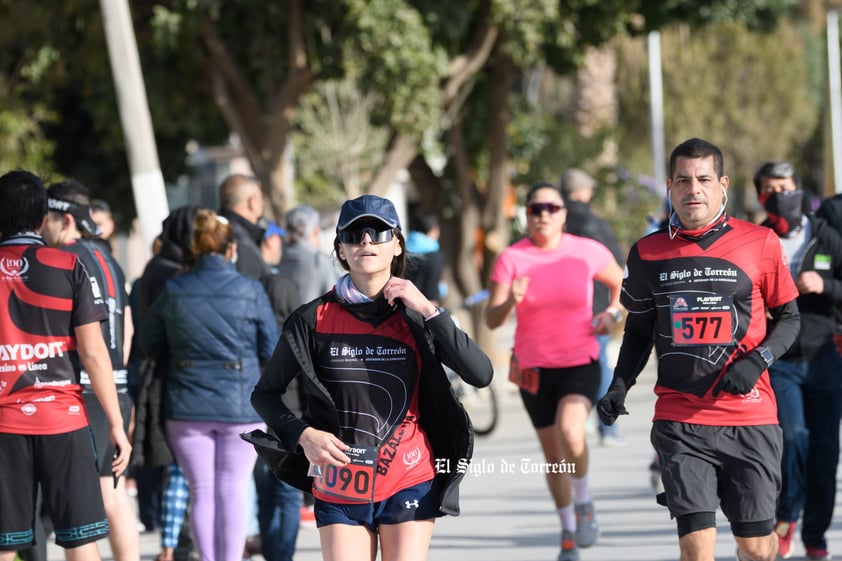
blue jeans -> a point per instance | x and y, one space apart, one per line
278 513
809 396
606 375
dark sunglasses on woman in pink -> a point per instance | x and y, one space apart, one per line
536 209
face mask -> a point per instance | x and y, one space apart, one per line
784 210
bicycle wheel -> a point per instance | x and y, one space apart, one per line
481 405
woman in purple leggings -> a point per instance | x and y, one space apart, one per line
216 327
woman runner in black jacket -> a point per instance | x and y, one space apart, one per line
382 443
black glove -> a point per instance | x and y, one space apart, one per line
741 376
612 404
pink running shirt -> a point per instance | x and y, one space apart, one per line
554 320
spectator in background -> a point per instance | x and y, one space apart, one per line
69 227
162 489
48 446
278 503
101 214
806 379
425 261
282 292
303 261
242 203
577 188
217 327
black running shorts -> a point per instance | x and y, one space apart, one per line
705 467
64 465
556 383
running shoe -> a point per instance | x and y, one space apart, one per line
785 531
587 530
817 553
569 551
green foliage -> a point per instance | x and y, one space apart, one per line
22 141
336 146
748 92
526 27
761 15
396 59
448 23
60 102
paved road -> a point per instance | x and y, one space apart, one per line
510 517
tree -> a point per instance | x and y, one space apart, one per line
761 104
444 76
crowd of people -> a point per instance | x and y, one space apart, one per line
248 376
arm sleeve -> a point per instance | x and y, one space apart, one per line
635 348
459 352
782 329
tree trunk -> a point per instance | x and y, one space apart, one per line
595 98
264 144
495 225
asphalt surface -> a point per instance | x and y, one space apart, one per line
507 514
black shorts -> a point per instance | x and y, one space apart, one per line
735 468
556 383
100 430
64 465
413 503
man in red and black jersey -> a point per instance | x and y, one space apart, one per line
49 323
714 295
70 226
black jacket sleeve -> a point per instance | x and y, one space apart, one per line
458 351
283 367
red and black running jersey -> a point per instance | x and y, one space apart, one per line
46 293
109 286
371 372
709 297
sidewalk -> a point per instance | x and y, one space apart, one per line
510 516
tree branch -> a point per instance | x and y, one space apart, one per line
299 80
231 88
401 152
466 65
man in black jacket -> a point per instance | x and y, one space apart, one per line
241 201
806 379
577 188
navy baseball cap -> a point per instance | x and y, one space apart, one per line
368 206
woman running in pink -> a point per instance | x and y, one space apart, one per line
547 280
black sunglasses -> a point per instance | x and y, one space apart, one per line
535 209
355 236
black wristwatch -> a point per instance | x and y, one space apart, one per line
766 355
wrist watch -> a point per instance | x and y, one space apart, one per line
615 314
766 355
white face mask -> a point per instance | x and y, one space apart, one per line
234 257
